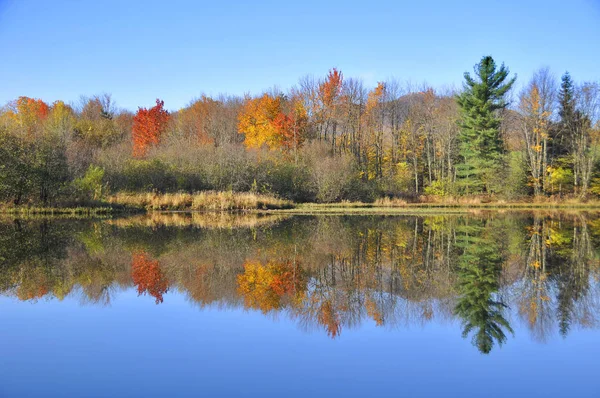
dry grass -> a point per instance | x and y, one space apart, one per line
433 204
201 201
388 202
492 202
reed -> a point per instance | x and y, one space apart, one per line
201 201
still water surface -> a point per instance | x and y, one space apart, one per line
488 304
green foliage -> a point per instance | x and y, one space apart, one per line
16 173
441 188
91 184
515 183
31 170
51 170
479 140
146 175
398 180
560 180
286 179
562 139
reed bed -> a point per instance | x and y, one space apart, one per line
201 201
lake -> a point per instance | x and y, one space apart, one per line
492 304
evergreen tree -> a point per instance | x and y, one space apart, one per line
479 139
563 134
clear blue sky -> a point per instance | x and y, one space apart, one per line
176 50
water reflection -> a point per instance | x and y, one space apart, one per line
486 271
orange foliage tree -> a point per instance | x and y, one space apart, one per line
265 121
331 88
197 119
31 113
148 277
148 127
329 94
292 126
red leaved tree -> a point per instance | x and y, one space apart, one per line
31 113
148 126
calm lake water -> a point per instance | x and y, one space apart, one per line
486 304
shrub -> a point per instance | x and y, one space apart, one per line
90 186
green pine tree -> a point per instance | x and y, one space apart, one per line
479 141
563 133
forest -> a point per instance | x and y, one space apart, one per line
327 139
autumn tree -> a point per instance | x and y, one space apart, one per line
61 120
148 127
413 137
256 121
30 114
329 97
197 121
95 127
352 135
266 121
291 125
577 131
375 120
33 160
536 103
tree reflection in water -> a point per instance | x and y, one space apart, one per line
479 305
328 273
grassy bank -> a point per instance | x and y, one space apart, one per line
213 201
202 201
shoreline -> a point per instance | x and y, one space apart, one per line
307 209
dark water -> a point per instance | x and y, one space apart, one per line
488 304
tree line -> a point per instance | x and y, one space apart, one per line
325 139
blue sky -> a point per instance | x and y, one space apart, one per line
177 50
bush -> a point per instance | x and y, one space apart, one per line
145 175
332 176
90 186
442 188
32 170
515 184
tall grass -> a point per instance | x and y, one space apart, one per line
201 201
